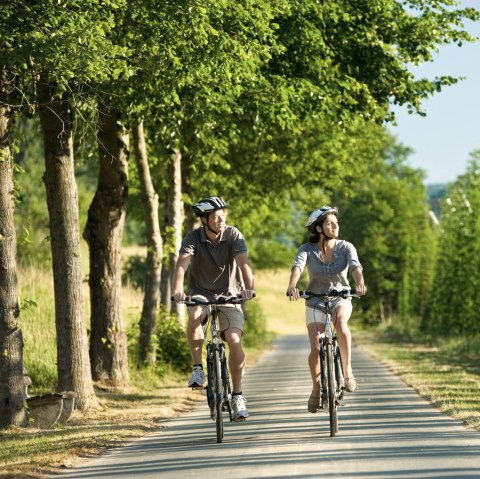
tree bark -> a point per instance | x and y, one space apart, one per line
73 363
12 396
151 299
103 233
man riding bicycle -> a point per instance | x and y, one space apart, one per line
215 254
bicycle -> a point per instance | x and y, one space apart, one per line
218 388
331 367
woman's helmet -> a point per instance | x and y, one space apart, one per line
208 205
318 215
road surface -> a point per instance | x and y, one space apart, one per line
386 432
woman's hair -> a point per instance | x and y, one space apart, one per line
315 236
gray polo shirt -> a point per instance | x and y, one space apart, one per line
213 269
325 276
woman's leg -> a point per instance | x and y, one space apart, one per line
314 356
341 315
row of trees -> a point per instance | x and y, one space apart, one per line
253 100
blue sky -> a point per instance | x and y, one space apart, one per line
443 140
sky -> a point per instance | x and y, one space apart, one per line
443 140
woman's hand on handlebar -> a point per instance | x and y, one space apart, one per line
360 289
293 293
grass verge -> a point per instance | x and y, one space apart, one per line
444 372
122 416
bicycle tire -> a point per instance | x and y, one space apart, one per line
227 389
323 377
337 357
210 382
332 404
218 394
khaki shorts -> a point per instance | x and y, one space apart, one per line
316 315
229 316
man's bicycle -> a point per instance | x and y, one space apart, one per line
218 388
332 382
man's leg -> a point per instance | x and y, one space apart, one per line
195 341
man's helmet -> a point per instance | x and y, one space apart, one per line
207 205
318 215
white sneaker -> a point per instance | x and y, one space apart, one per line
239 410
198 378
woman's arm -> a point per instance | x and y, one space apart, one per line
292 290
357 275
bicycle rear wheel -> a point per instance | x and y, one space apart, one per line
218 394
332 404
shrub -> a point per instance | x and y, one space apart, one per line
172 343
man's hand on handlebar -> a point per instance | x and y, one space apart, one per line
248 293
179 296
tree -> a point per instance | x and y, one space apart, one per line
387 219
151 301
103 233
73 363
453 295
12 410
62 48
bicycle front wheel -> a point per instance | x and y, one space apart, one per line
218 393
227 390
332 404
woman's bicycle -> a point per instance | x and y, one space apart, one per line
332 382
218 388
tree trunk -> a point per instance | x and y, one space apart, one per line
151 299
73 363
12 410
176 215
190 218
103 233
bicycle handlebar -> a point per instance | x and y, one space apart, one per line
195 301
344 293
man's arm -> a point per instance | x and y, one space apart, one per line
247 274
183 262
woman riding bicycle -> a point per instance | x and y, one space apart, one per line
328 260
215 253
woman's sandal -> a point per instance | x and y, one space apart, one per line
351 384
313 403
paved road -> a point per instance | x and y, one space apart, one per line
386 432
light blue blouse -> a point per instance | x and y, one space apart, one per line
325 276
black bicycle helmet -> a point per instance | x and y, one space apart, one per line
318 215
208 205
